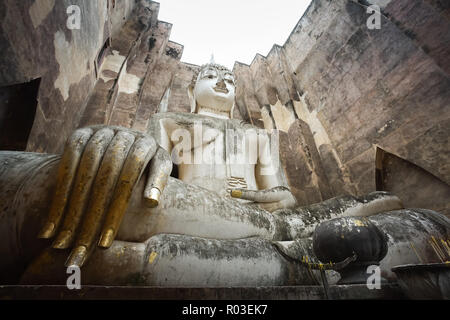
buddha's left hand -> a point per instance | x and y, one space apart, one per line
268 199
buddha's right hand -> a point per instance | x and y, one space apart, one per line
98 171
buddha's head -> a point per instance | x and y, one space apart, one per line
213 91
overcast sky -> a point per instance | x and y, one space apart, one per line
232 30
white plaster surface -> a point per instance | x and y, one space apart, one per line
67 57
282 116
113 62
128 82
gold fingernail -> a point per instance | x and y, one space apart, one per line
236 193
152 199
106 239
77 257
63 241
47 231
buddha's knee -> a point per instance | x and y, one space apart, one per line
177 260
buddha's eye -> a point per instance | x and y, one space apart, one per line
210 76
230 81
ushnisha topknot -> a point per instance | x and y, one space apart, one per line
208 65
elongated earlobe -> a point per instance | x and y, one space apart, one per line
192 101
232 110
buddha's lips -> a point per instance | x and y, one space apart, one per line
220 90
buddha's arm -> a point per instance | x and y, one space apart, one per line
160 128
98 171
272 194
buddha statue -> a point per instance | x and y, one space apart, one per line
109 205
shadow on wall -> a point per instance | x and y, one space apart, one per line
415 186
17 110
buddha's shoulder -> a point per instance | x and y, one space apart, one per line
171 115
188 119
184 116
241 124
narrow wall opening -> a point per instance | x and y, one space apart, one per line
17 110
101 56
415 186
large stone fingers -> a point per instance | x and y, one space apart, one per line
99 170
105 180
113 193
263 196
140 154
160 169
66 175
271 199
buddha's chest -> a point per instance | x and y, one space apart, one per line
207 145
218 158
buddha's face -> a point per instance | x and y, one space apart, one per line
215 89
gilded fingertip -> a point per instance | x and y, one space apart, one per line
63 240
153 197
106 239
236 193
47 231
77 257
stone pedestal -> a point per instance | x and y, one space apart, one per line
341 292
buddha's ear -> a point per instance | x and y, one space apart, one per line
232 109
192 102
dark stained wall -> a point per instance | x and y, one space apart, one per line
36 43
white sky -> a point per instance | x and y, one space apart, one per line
232 30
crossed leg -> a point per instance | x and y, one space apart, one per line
179 234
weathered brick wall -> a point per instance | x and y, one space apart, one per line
358 88
142 75
379 87
36 43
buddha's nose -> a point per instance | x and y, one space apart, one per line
221 84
